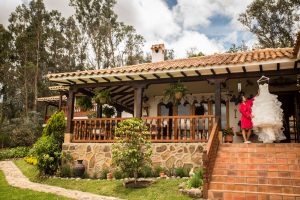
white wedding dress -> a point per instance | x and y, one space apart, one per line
268 115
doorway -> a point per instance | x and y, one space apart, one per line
291 110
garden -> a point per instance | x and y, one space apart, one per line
131 176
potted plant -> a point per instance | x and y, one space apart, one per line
103 97
84 103
228 134
108 111
175 92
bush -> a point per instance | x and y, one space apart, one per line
65 171
23 131
31 160
196 180
55 127
182 172
132 149
146 172
157 170
17 152
103 173
47 149
117 174
48 154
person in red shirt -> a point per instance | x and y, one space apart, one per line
246 118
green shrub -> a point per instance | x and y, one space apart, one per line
117 174
146 172
55 127
47 149
17 152
31 160
157 170
132 149
65 171
103 173
48 153
182 172
196 180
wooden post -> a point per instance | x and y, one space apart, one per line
138 100
46 113
70 115
60 101
218 99
99 111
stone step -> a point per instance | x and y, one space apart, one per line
268 160
268 167
242 187
256 180
257 173
235 195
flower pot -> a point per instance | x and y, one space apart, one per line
79 168
103 100
228 138
178 95
109 176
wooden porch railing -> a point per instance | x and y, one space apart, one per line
209 156
161 129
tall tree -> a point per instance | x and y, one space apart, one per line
110 40
274 22
193 52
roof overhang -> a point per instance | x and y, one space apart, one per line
186 71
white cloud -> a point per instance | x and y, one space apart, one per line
152 18
193 39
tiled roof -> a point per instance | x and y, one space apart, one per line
257 55
59 88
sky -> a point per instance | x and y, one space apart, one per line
210 26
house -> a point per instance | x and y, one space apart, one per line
184 134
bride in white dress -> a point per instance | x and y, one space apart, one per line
267 116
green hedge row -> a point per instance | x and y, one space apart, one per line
17 152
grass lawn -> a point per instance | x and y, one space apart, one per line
13 193
162 190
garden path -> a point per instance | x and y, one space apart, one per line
15 178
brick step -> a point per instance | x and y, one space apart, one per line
257 180
269 160
269 167
260 149
235 195
288 155
257 173
288 145
242 187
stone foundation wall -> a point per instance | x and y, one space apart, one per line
97 156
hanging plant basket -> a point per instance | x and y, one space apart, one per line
103 97
178 95
175 92
102 100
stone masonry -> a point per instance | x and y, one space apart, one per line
97 156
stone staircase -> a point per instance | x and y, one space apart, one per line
256 172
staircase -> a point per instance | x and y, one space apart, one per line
256 171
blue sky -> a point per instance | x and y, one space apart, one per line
210 26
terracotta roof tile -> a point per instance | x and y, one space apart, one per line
202 61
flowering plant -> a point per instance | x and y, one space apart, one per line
227 131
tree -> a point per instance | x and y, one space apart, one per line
106 35
237 48
193 52
169 54
274 22
132 149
